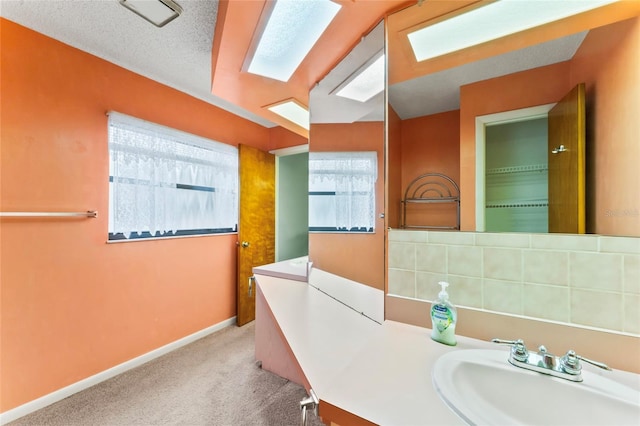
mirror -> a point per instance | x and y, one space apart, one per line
437 111
438 107
346 162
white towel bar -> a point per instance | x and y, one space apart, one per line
90 213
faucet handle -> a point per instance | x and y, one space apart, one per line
570 363
507 342
518 349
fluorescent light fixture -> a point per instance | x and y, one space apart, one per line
158 12
293 28
292 111
495 20
366 82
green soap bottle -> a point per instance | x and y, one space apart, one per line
443 318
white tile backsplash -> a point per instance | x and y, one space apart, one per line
491 239
466 291
588 280
451 237
564 242
402 255
427 287
464 260
601 271
408 236
545 267
632 313
432 258
402 283
620 245
631 274
503 296
549 302
502 264
597 309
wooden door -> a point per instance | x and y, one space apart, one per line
566 146
256 230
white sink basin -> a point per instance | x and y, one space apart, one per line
483 388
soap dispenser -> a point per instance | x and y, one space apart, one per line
443 318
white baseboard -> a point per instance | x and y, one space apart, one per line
60 394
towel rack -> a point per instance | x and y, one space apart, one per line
89 213
431 188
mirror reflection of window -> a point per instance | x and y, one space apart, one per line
345 237
342 191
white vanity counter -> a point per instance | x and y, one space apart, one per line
363 372
323 335
389 381
378 372
294 269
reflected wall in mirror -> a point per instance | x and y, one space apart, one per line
439 109
350 247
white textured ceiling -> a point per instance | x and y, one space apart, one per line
440 92
329 108
177 55
431 93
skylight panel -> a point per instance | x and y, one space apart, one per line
366 83
495 20
292 111
293 28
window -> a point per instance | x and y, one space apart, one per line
342 191
163 182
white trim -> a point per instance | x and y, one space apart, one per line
480 173
298 149
172 237
482 122
60 394
277 210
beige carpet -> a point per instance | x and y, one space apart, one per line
213 381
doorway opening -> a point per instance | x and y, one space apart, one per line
292 202
512 171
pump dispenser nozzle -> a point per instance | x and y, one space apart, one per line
443 292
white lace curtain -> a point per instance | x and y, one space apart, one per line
342 190
163 180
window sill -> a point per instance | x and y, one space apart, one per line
342 232
173 237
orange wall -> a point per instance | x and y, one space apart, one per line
428 144
72 305
394 167
431 144
538 86
612 108
282 138
609 63
358 257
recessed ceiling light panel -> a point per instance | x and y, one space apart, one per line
293 28
495 20
366 82
158 12
292 111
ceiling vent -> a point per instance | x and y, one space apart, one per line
158 12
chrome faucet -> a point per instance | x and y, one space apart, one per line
548 360
566 367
